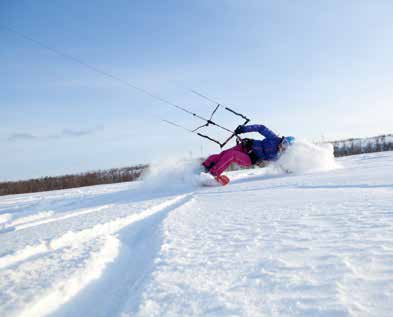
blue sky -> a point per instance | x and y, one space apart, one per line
313 69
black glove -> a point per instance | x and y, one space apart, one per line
239 129
247 144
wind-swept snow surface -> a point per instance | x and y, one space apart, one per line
317 242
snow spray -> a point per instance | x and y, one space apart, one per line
171 175
304 156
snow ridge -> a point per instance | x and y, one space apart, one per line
62 292
71 237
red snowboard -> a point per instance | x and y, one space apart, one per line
222 179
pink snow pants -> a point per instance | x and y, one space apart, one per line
225 158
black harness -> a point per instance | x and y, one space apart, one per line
248 149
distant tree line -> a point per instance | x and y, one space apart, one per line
114 175
367 145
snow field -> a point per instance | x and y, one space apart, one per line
316 242
305 259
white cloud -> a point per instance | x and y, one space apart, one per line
21 137
65 133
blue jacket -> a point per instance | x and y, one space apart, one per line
267 149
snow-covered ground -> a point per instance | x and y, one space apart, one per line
316 243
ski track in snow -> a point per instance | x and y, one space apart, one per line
269 244
72 258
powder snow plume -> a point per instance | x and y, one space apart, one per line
304 156
174 175
170 175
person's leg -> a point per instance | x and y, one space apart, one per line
213 159
233 155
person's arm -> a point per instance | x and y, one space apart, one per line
260 128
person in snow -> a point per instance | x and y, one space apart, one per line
248 151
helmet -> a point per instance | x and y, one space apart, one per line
288 140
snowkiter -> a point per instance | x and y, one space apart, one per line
248 151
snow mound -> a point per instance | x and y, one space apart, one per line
5 218
171 175
304 156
